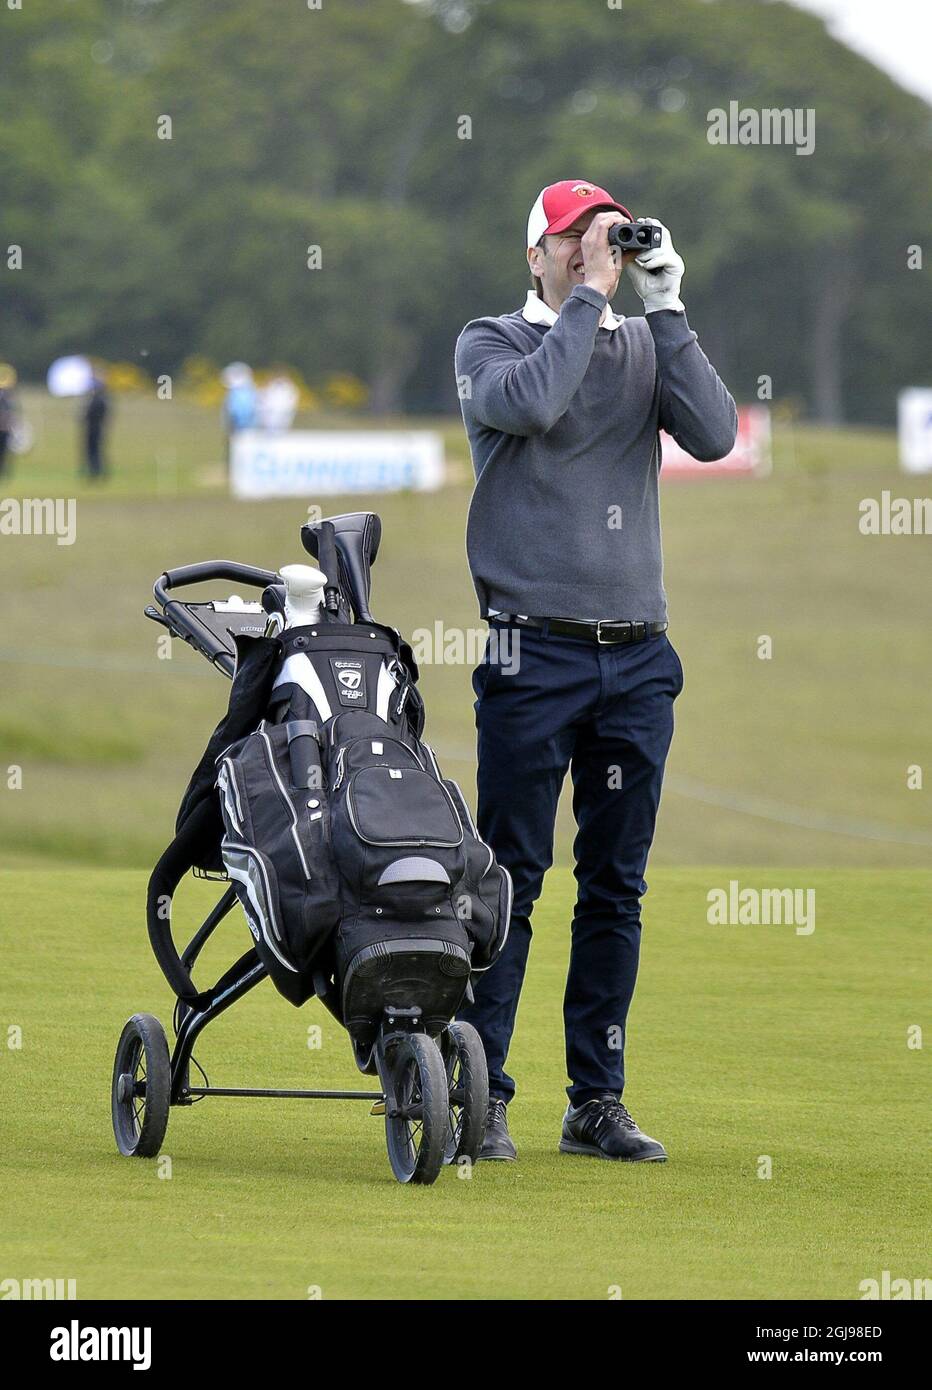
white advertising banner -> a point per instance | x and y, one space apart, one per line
915 422
320 463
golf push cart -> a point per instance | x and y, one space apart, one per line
358 866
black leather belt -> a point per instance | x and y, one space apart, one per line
607 631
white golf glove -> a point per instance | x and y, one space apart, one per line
660 290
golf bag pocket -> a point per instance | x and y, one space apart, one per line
482 898
277 848
373 746
401 807
396 832
256 882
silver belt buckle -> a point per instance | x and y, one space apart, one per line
608 641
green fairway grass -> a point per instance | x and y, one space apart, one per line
745 1043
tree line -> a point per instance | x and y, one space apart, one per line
341 186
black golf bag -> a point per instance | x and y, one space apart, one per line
357 863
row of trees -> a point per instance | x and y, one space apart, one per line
406 139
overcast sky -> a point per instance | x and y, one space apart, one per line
895 34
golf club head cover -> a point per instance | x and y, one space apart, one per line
356 536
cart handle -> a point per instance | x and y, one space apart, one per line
212 569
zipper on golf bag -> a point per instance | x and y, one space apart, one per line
364 751
484 896
230 795
277 847
287 803
253 876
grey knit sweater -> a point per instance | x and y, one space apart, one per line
562 424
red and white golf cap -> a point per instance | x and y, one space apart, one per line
559 204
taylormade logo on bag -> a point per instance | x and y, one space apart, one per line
350 678
77 1343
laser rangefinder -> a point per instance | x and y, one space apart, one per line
634 236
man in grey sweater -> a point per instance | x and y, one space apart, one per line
562 402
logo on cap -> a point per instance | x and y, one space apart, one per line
583 190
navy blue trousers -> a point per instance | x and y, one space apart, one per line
545 703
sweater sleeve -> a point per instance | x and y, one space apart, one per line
695 406
526 393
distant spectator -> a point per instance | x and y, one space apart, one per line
241 406
7 415
278 401
95 416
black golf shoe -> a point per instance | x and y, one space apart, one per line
603 1128
497 1142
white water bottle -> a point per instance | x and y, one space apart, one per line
304 594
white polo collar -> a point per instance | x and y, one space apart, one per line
536 311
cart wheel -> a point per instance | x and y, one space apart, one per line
468 1084
141 1087
416 1112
